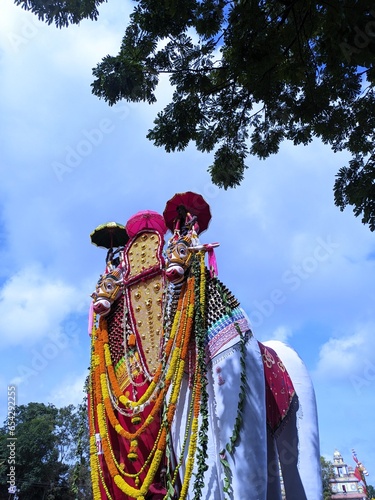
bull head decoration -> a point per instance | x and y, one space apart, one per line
108 289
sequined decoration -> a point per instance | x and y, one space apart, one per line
144 296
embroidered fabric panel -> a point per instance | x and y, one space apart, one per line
279 387
224 330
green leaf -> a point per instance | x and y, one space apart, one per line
246 76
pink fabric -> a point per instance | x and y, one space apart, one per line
91 317
146 220
212 264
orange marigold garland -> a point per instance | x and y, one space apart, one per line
199 272
193 439
105 392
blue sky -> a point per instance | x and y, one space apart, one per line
301 269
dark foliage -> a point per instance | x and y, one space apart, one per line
246 76
51 453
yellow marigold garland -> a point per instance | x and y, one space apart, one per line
103 374
199 271
176 356
193 440
96 472
105 361
94 468
145 464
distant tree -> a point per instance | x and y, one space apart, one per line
370 492
45 453
247 75
327 474
79 474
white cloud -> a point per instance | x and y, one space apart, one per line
269 228
282 333
347 356
16 25
69 391
33 305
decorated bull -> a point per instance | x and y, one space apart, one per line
184 401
